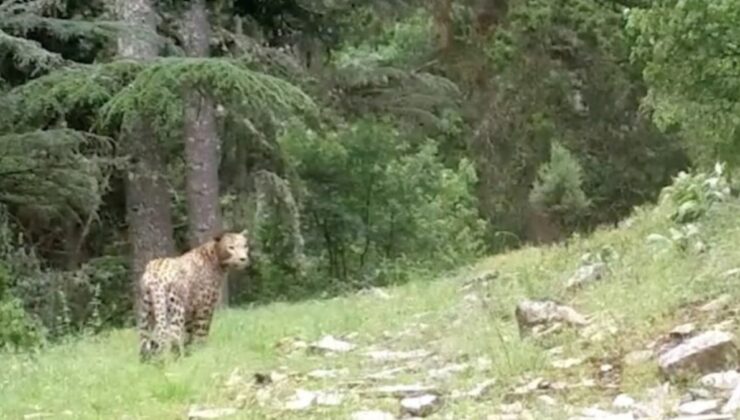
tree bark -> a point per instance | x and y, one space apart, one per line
202 145
148 204
442 11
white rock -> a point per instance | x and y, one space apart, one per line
37 416
421 406
698 407
401 391
387 373
703 352
623 402
513 408
704 417
597 413
387 355
302 400
481 389
683 330
636 357
330 344
210 413
372 415
547 400
326 373
566 363
717 304
726 380
586 274
733 404
329 398
448 370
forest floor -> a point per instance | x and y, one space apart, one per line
454 338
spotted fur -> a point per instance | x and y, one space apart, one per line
178 294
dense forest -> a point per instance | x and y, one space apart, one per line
357 142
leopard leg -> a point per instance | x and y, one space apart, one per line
176 324
201 323
145 324
159 306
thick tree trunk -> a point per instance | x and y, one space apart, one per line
202 145
442 11
147 197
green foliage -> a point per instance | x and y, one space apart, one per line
689 50
692 195
558 188
372 200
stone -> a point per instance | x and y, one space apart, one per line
683 330
372 415
623 402
566 363
513 408
704 417
727 380
481 389
326 373
717 304
597 413
586 274
302 400
733 404
389 356
387 373
329 398
210 413
637 357
698 407
421 406
704 352
547 400
448 370
401 391
329 344
531 313
37 416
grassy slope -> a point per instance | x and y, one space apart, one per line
643 295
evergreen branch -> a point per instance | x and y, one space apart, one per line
28 53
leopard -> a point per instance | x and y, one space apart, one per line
178 294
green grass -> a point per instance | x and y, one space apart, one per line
646 292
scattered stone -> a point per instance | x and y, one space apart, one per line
637 357
597 413
329 344
302 400
698 407
705 417
388 356
586 274
704 352
726 380
547 400
421 406
683 330
717 304
448 370
387 373
623 402
329 398
37 416
372 415
402 391
513 408
210 413
326 373
606 368
481 389
566 363
733 404
530 313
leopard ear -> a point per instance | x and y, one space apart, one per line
218 236
244 232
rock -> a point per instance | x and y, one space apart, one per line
37 416
302 400
329 344
623 402
378 293
733 404
387 373
726 380
513 408
210 413
481 389
704 417
326 373
401 391
372 415
547 400
597 413
586 274
637 357
448 370
291 344
329 398
683 330
531 313
598 331
566 363
421 406
717 304
704 352
388 356
698 407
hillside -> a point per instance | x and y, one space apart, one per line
459 332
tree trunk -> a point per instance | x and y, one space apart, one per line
202 145
147 198
442 11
